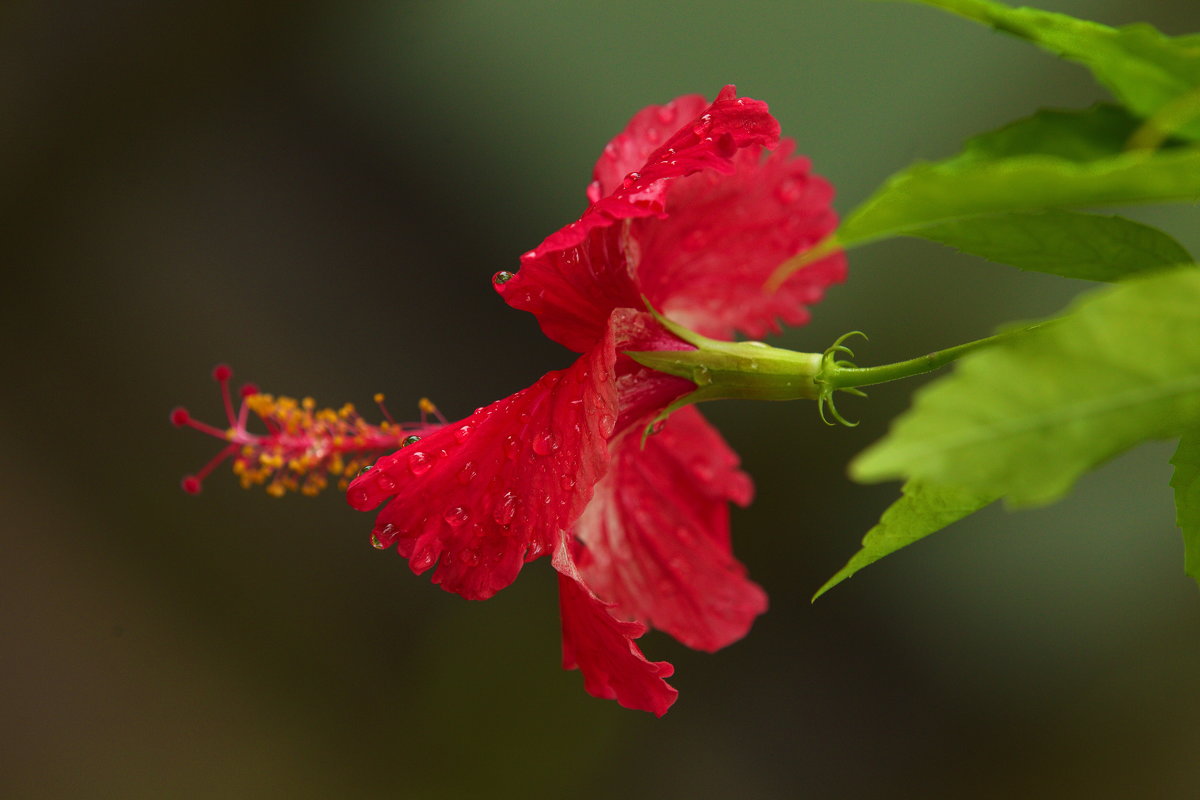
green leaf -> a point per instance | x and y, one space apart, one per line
1144 69
923 509
1064 243
1079 135
1186 483
1026 417
1051 160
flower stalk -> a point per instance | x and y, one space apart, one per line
757 371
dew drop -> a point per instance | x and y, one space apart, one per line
382 538
457 517
365 470
502 277
461 433
607 424
360 498
419 463
469 557
703 125
567 483
545 443
506 509
421 560
410 440
467 474
511 447
631 179
385 482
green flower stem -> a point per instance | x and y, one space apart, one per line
843 375
756 371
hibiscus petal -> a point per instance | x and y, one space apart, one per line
603 648
486 494
656 534
705 264
646 132
579 274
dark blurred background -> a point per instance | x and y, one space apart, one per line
317 193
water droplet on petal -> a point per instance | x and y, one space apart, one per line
511 447
360 498
382 538
410 440
607 423
631 179
457 517
385 482
462 432
502 277
567 483
419 463
506 509
422 559
545 443
467 474
703 125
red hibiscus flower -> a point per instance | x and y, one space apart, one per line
685 214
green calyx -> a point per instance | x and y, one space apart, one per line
756 371
731 370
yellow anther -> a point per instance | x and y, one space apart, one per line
426 405
308 403
276 490
379 397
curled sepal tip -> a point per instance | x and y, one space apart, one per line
830 364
